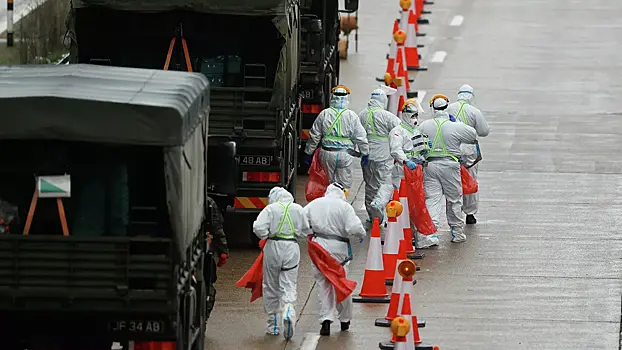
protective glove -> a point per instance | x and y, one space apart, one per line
361 240
451 117
308 159
222 260
365 160
411 165
430 144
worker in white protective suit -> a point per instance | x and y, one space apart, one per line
378 122
464 111
281 222
409 147
442 172
333 221
337 130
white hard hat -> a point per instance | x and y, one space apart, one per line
440 103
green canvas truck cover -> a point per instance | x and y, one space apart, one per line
116 105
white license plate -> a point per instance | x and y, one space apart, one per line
136 326
254 160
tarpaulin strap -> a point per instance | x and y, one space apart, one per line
169 55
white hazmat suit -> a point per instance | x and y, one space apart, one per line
408 143
337 130
442 173
464 111
333 221
281 222
378 122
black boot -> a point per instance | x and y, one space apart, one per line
345 326
325 328
470 220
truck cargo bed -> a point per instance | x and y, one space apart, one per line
86 274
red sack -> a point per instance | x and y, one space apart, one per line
469 184
253 278
318 180
416 201
332 270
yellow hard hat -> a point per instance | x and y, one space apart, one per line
437 96
341 87
394 209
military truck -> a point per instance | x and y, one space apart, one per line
319 60
103 206
250 52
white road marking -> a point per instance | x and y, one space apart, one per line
438 57
456 21
310 341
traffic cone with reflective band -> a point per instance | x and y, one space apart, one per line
392 51
400 59
419 10
392 240
407 227
401 328
407 270
373 290
392 312
411 47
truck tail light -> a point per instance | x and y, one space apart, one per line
311 109
261 176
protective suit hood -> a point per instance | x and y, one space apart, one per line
378 99
279 194
465 93
335 192
340 98
440 114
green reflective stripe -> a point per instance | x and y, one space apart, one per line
286 217
439 141
462 113
336 123
407 127
370 122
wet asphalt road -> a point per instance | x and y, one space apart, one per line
542 268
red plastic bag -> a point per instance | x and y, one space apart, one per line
318 180
332 270
469 184
253 278
416 201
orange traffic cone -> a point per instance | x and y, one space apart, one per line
392 240
392 53
392 312
405 221
413 8
400 58
419 11
373 290
407 270
411 47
